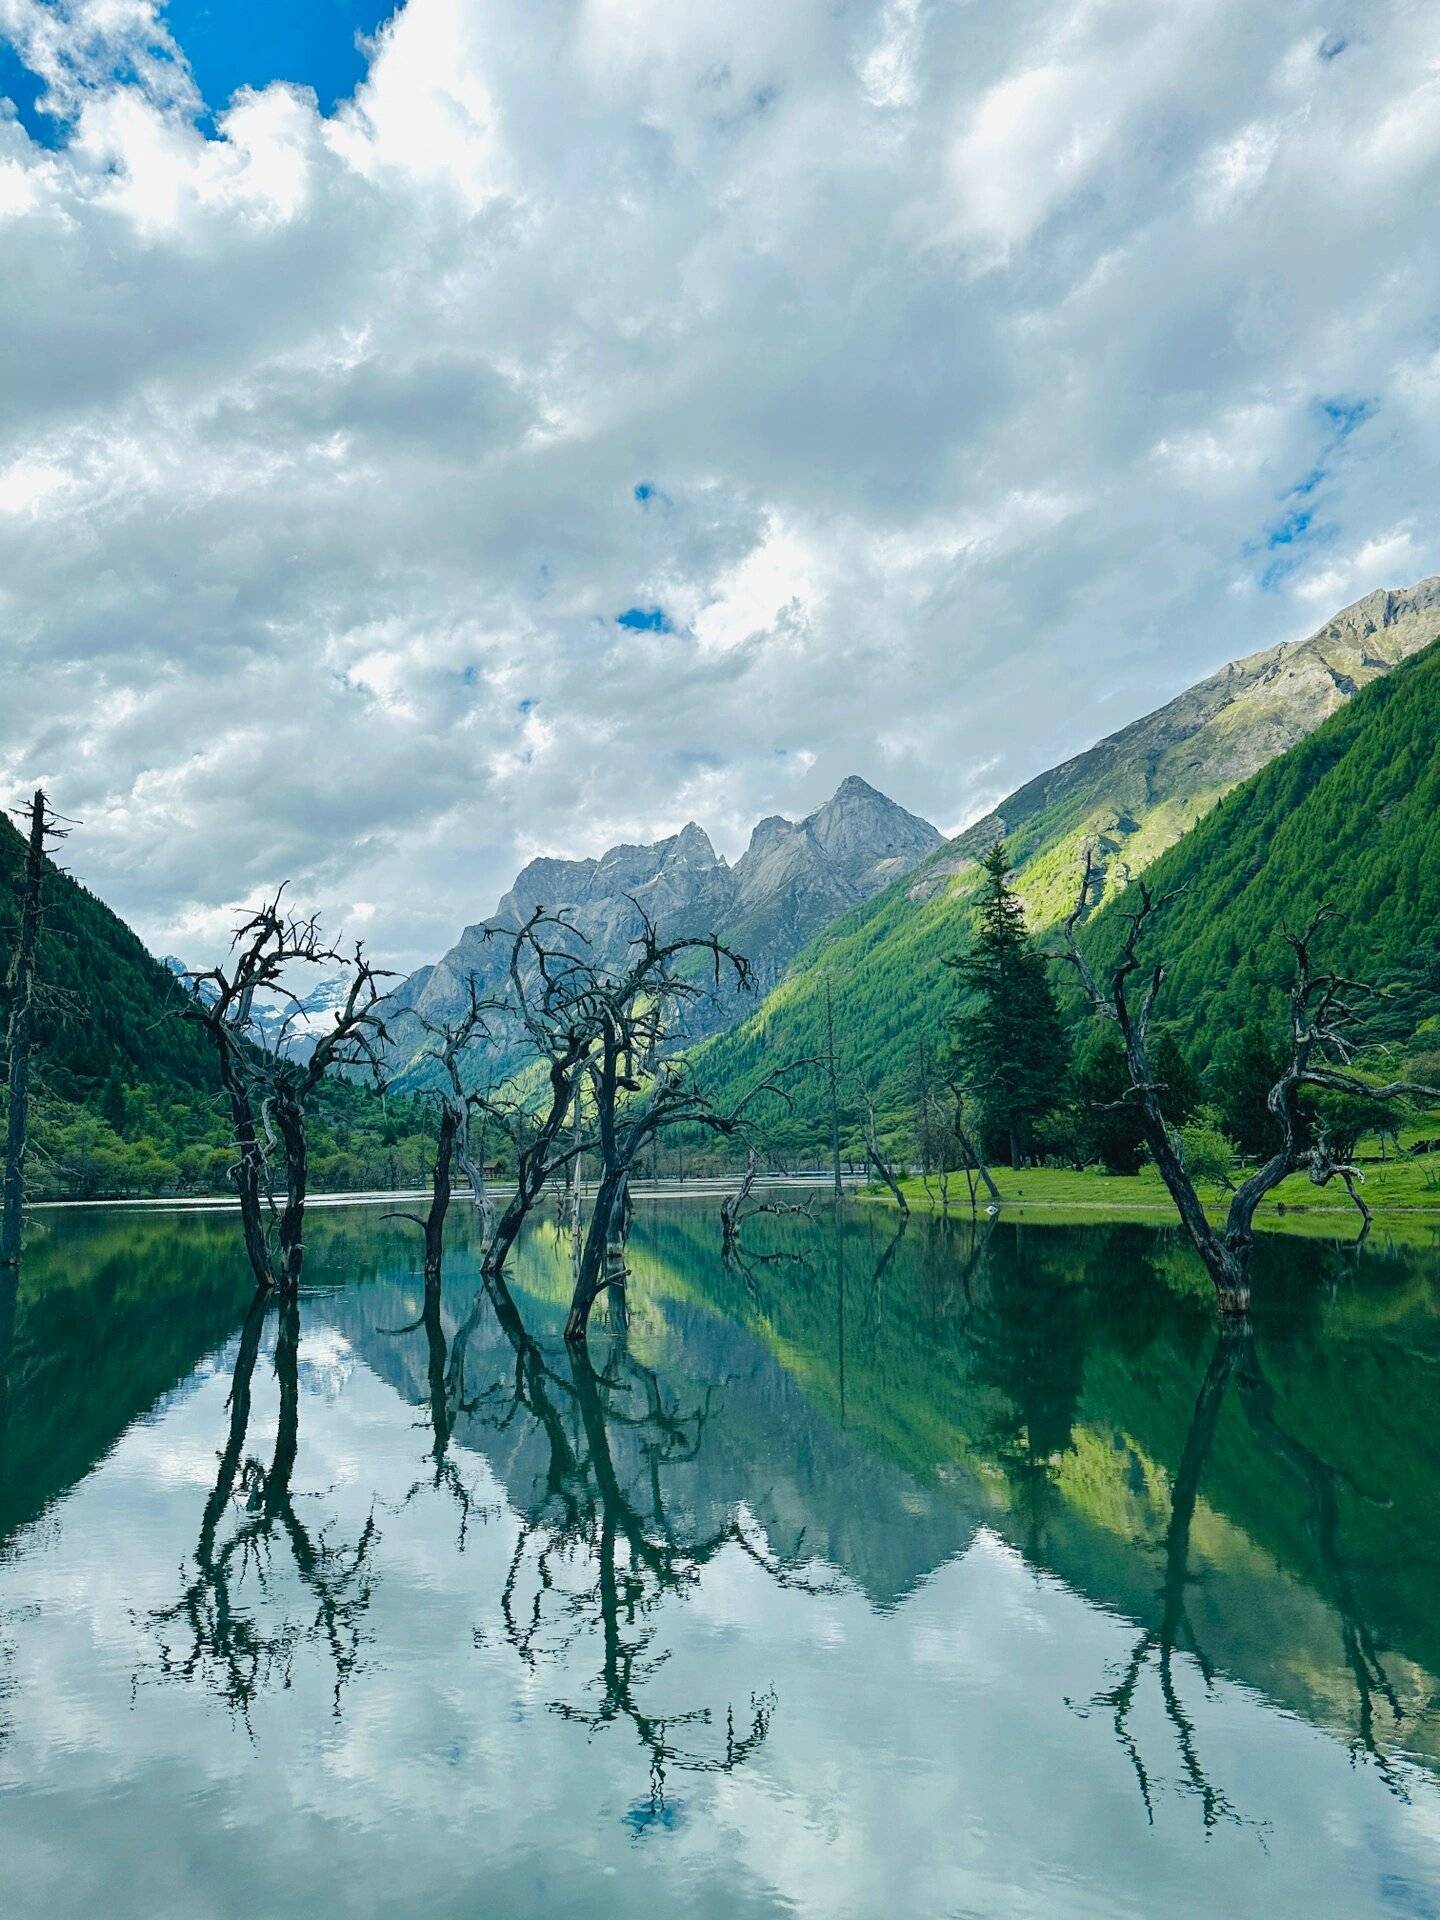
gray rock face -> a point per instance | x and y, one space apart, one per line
792 880
1133 794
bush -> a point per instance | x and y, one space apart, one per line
1208 1153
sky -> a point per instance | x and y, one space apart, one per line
509 426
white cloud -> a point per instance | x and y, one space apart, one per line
1388 557
964 358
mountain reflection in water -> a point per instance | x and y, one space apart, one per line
955 1569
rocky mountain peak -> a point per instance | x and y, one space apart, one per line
691 847
793 879
861 828
853 787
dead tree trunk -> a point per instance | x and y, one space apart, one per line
22 1017
975 1167
877 1159
451 1129
574 1190
432 1223
474 1171
265 946
248 1170
1320 1016
730 1209
599 1267
834 1086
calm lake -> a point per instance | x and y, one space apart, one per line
961 1572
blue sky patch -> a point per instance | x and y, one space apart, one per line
231 44
654 1816
1288 541
17 83
1292 528
1346 415
1307 483
248 43
1342 414
643 620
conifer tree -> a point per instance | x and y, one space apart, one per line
1247 1067
1010 1046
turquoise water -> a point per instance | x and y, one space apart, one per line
966 1572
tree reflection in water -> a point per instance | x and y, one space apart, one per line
208 1635
599 1551
1235 1358
1162 1643
1322 1483
998 1340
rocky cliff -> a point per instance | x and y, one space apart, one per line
792 880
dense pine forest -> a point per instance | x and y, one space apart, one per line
1350 816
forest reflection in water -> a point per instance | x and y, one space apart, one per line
840 1419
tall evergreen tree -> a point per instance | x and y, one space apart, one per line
1108 1119
1010 1046
1247 1066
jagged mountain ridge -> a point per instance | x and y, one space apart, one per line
793 878
1131 796
1138 790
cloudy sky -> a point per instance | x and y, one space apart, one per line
519 425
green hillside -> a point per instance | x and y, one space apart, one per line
107 1006
124 1097
1369 842
1350 816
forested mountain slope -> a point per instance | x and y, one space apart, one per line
124 1095
107 1006
1349 817
1130 797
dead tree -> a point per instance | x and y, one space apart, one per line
637 1096
266 1088
832 1081
973 1161
1321 1022
44 825
545 994
878 1162
738 1207
451 1139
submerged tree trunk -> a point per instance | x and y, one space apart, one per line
248 1171
433 1225
22 1010
878 1160
597 1267
290 1119
731 1209
9 1288
834 1086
